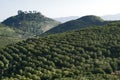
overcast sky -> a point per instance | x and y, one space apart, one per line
60 8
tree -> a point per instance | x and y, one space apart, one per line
20 12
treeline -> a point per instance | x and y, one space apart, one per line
26 12
86 54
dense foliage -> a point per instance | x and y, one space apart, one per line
31 22
85 21
86 54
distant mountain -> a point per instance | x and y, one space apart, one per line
82 22
111 17
65 19
31 22
105 17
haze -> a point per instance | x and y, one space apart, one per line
60 8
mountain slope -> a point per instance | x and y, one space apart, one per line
86 54
9 35
23 26
32 22
82 22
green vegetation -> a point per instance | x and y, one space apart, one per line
31 22
9 35
82 22
23 26
86 54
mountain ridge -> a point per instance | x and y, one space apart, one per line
85 21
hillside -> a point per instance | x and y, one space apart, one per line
23 26
85 21
31 22
86 54
9 35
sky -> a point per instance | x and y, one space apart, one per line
60 8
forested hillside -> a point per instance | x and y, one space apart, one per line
86 54
83 22
32 22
